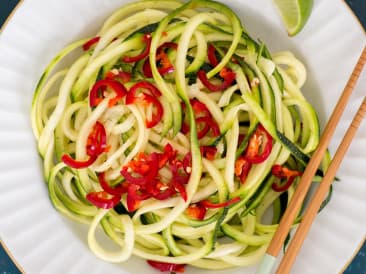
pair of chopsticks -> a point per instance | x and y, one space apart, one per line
303 187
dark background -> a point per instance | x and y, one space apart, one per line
358 265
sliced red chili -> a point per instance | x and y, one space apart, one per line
259 146
204 129
208 124
163 63
185 128
132 179
180 177
132 95
157 114
258 150
180 188
163 267
284 173
209 204
133 98
96 145
133 201
168 155
196 211
96 93
241 138
208 152
131 59
87 45
117 190
97 140
153 165
278 187
167 45
199 108
242 168
227 75
146 69
211 54
204 120
143 180
140 164
124 76
214 128
77 164
102 199
187 163
165 66
159 190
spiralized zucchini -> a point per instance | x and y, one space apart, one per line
265 92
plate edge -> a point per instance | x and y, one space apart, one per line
351 258
10 16
354 15
11 257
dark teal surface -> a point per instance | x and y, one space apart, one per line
358 265
6 6
6 265
359 8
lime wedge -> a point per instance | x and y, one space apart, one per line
294 13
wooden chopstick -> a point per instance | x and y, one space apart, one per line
306 179
312 210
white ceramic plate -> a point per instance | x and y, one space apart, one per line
44 242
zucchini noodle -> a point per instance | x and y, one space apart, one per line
201 44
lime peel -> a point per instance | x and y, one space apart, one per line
294 14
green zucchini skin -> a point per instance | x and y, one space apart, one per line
265 92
